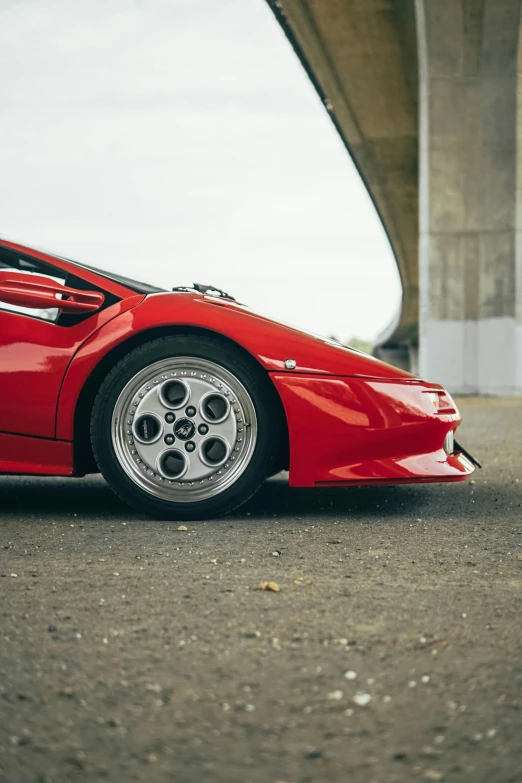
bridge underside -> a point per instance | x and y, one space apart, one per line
425 95
362 57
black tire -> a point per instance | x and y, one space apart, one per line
262 393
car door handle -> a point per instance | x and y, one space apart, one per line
37 291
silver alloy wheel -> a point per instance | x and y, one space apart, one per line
184 429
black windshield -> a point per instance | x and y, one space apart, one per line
134 285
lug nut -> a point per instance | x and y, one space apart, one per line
203 429
170 418
190 411
169 439
190 446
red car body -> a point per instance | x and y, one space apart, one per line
351 419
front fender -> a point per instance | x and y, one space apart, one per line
269 342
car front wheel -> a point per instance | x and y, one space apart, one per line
186 427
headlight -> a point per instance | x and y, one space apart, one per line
442 402
434 397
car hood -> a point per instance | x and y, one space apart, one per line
274 342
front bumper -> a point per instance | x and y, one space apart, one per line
346 431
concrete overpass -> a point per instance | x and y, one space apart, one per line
425 96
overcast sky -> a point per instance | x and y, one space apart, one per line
180 141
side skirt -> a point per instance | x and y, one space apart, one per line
35 456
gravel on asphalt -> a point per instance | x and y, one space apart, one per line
134 650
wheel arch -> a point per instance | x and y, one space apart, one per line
84 461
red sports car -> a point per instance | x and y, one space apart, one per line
186 401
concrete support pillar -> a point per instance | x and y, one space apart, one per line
470 204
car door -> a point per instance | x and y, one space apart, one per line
37 344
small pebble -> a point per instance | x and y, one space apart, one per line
362 699
335 695
270 586
433 774
350 675
430 753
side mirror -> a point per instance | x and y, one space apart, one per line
40 292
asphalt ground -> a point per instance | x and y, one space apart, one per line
131 651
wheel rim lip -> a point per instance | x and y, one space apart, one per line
173 490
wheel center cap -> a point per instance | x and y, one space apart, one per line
184 429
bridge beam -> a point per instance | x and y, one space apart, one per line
470 240
425 96
362 57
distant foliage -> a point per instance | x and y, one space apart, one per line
360 345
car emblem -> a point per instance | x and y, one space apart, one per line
184 429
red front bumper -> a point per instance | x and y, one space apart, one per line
365 431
